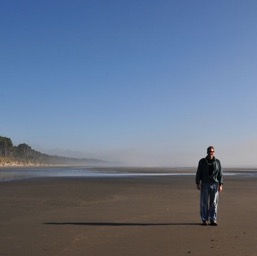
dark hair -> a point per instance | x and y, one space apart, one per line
209 148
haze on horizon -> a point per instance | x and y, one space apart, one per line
149 83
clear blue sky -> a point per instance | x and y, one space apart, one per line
144 82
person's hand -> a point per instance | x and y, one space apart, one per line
198 186
220 188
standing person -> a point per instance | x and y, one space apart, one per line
209 180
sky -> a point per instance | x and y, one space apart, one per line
139 82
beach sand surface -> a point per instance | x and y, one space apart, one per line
124 216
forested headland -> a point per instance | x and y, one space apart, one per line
24 155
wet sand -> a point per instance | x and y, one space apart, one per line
124 216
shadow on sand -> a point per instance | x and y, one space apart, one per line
117 224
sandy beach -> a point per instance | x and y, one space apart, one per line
124 216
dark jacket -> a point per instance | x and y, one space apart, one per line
202 174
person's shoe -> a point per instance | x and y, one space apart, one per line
214 223
205 223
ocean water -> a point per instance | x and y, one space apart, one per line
12 174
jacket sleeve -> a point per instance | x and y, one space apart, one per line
198 176
220 175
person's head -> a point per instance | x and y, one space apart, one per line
210 151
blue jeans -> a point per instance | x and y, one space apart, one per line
209 201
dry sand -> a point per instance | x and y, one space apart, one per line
124 216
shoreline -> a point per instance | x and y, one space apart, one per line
14 173
123 169
14 164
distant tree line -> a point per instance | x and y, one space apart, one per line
6 146
21 152
24 153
